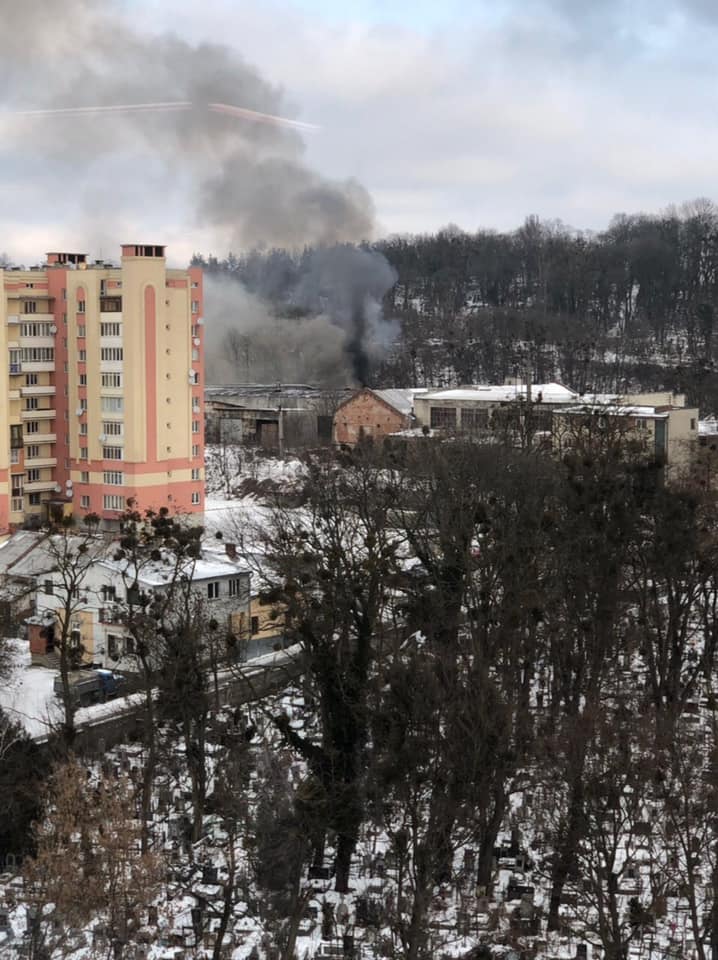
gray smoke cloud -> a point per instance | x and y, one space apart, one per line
247 183
327 327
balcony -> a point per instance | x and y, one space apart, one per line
46 414
13 318
40 462
48 341
37 391
40 486
112 613
36 366
39 438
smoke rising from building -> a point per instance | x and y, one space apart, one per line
244 184
325 327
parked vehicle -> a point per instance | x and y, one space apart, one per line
91 686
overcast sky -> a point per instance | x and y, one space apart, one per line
477 113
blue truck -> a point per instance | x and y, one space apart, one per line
90 686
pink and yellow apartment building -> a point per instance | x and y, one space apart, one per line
101 390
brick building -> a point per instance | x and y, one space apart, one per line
373 414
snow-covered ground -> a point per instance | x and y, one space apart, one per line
27 695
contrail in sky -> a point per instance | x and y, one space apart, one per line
240 113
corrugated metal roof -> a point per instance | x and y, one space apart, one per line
401 400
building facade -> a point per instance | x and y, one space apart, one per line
103 387
373 415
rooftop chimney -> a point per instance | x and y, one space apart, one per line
231 550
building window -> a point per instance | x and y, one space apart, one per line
693 423
80 306
113 428
109 594
83 404
195 354
443 418
14 455
32 451
30 379
85 502
83 429
113 501
195 329
33 475
85 476
110 329
83 453
111 354
37 354
32 426
81 356
16 436
195 473
82 331
195 306
195 450
473 420
16 481
213 590
112 404
111 380
641 424
36 328
113 478
235 587
48 588
254 625
34 500
64 293
83 379
31 403
30 306
195 426
195 497
112 453
114 646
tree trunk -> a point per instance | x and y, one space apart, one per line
227 901
567 849
68 728
346 843
148 773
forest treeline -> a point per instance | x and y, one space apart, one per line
632 306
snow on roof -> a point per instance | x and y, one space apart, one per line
401 400
507 393
32 559
160 572
619 410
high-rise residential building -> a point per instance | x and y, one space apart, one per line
101 392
